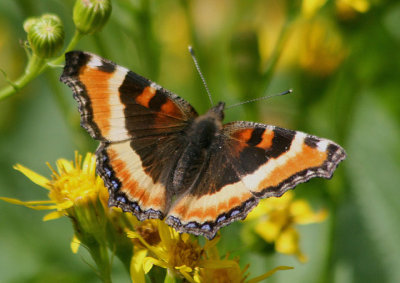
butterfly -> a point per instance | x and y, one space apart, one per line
160 159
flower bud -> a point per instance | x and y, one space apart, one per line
90 15
29 22
45 35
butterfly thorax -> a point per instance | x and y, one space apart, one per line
200 136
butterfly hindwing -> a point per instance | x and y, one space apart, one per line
136 173
216 198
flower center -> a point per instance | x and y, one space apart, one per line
185 253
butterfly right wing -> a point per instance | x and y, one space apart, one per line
272 160
249 162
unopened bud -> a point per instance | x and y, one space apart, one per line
91 15
45 35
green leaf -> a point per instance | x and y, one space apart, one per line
374 167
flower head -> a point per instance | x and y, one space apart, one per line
310 7
45 35
321 47
348 9
230 274
276 219
72 185
181 255
91 15
74 190
77 192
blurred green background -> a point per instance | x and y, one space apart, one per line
341 59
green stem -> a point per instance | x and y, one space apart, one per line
35 67
169 277
74 41
31 71
99 254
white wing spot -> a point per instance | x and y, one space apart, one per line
95 62
322 145
154 85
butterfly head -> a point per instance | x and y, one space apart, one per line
218 111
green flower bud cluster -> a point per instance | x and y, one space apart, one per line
90 15
45 35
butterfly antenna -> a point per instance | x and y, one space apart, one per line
259 98
200 73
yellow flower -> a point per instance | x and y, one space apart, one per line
74 190
348 9
321 48
73 184
178 253
77 192
230 274
148 231
310 7
276 219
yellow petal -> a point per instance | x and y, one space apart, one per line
75 243
303 213
197 278
185 237
53 215
361 6
310 7
184 268
217 264
33 176
288 241
268 230
268 274
148 263
89 164
166 234
31 204
137 267
261 210
187 276
64 165
132 234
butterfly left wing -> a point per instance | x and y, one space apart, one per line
139 125
254 161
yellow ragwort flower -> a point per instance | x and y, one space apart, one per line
182 256
321 48
276 219
310 7
348 9
230 274
73 184
74 190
